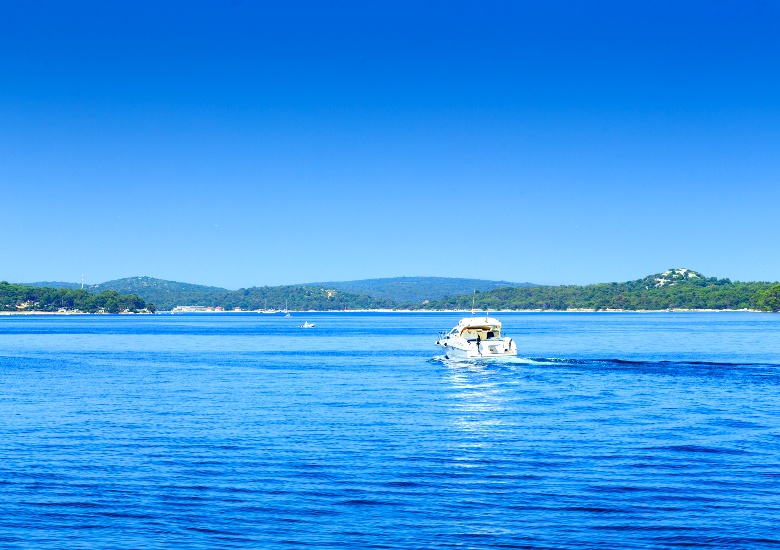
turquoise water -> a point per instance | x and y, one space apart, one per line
232 431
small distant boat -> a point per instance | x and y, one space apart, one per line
477 338
286 313
307 324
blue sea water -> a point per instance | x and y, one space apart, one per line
234 431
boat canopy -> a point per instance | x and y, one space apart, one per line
482 327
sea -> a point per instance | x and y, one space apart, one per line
609 430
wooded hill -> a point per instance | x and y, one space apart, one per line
404 290
768 299
299 298
672 289
388 292
363 294
166 295
31 298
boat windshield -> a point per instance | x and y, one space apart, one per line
484 332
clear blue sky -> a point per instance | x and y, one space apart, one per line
248 143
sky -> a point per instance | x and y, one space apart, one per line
251 143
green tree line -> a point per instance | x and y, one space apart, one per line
168 294
768 299
31 298
296 298
676 292
301 298
673 289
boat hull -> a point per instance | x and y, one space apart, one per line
487 349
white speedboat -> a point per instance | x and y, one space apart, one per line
307 324
477 338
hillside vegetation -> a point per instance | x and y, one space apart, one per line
53 284
299 298
416 289
30 298
768 299
363 294
166 295
672 289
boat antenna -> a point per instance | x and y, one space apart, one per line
473 296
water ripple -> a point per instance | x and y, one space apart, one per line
238 432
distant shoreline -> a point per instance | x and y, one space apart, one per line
678 289
66 313
477 312
463 311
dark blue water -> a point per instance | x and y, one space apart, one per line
232 431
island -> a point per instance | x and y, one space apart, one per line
673 289
40 299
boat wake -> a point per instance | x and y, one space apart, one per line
669 367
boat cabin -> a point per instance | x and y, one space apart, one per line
484 328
